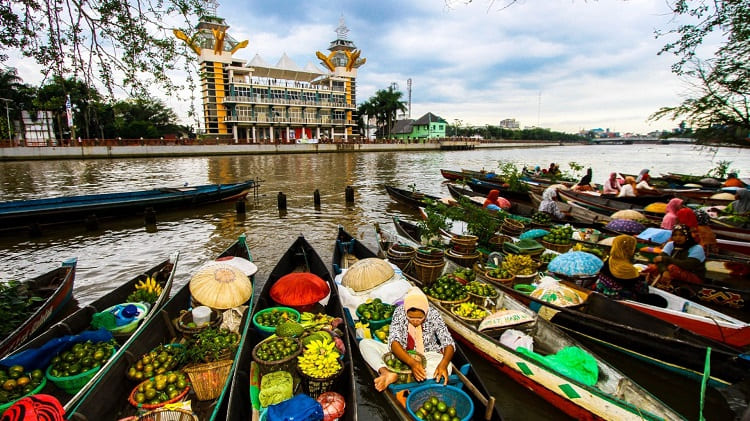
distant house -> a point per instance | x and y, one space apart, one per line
429 126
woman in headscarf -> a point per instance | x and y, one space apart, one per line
682 258
698 222
549 204
618 278
495 202
611 186
628 189
415 326
741 204
585 183
733 181
643 175
670 216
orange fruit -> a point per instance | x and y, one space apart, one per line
9 385
23 381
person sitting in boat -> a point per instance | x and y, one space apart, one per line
698 222
585 183
628 189
733 181
618 278
415 326
495 202
681 259
741 204
611 186
549 203
643 175
670 216
641 183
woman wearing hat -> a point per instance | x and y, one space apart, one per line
418 327
682 258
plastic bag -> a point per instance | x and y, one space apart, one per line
514 339
299 408
34 358
232 318
571 361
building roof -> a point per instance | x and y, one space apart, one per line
402 126
429 118
285 68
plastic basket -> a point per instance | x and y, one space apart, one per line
72 384
131 398
375 324
560 248
451 395
187 317
209 379
268 330
405 376
36 390
168 415
473 322
130 327
287 364
314 387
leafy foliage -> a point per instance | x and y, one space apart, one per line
437 220
16 305
383 106
510 174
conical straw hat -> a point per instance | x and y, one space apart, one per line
367 274
723 196
220 286
628 214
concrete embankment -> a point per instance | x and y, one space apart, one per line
104 152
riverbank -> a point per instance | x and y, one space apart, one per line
148 150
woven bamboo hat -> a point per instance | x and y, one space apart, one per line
367 274
628 214
723 196
220 286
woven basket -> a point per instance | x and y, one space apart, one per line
464 244
314 387
400 255
472 322
168 415
481 300
511 227
560 248
448 304
428 255
465 260
287 364
182 322
131 398
427 273
498 281
209 379
525 279
405 376
496 241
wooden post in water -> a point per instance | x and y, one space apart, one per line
316 198
281 200
349 194
149 216
92 223
240 206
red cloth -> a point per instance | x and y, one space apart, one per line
686 216
299 289
35 408
733 182
493 198
675 272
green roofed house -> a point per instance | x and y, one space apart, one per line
429 126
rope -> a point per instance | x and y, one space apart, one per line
704 381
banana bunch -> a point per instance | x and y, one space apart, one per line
518 264
149 285
307 319
320 359
146 291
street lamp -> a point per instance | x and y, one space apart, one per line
7 115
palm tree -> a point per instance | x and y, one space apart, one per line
10 90
388 104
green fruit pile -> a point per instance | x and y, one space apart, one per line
518 264
277 349
469 310
541 218
446 288
16 382
559 234
274 317
481 289
547 257
467 274
397 365
80 358
161 388
157 361
499 273
383 333
375 310
434 409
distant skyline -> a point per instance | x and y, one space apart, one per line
565 66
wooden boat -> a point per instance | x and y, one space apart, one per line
516 207
346 250
107 398
408 230
409 198
697 318
484 187
299 257
580 215
20 214
56 288
464 174
80 321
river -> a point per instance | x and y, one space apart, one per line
117 250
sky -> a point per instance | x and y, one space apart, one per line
566 65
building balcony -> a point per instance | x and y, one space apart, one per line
262 100
296 121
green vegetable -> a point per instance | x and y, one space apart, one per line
16 304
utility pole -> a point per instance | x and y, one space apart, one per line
7 115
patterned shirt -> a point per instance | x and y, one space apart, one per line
434 331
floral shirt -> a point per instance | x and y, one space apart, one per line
434 331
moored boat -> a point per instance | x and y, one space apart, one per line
80 321
410 198
113 387
299 257
55 288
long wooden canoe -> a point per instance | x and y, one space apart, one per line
20 214
299 257
80 321
107 398
347 250
409 198
56 288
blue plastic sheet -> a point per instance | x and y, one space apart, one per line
34 358
655 235
299 408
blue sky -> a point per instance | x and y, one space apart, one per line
562 64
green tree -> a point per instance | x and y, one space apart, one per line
144 117
384 105
52 97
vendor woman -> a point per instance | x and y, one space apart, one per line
418 327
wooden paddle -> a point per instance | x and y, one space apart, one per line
489 403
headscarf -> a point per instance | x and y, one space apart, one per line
630 180
491 198
623 249
550 193
415 299
686 216
742 204
702 216
670 216
689 242
644 172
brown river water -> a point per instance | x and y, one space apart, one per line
119 249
